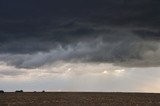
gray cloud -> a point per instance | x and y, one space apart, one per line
121 47
10 71
114 45
120 32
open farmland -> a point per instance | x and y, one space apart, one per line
78 99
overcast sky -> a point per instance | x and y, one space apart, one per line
80 45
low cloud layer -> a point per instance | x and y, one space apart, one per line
118 46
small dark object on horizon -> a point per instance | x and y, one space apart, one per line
1 91
17 91
43 91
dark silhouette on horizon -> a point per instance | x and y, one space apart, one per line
18 91
1 91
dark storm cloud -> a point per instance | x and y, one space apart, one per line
30 16
35 33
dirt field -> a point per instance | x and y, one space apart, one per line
79 99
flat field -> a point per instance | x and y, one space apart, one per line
79 99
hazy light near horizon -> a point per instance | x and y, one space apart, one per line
65 76
105 72
58 68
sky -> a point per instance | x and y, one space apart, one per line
80 45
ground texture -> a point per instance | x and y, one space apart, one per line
79 99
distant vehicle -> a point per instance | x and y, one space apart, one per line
19 91
1 91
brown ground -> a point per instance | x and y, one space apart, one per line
79 99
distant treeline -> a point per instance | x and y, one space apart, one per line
17 91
